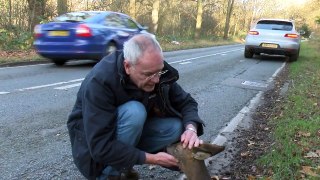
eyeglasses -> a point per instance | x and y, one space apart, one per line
158 74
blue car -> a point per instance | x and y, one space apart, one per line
84 35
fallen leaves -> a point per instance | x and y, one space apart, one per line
17 53
312 154
303 134
251 143
220 178
152 167
245 154
250 177
310 171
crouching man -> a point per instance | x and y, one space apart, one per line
129 108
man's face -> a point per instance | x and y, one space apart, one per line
146 73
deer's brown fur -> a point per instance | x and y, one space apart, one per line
191 161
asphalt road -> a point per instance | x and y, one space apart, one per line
35 101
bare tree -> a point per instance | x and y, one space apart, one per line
199 19
132 8
10 12
155 15
228 17
36 12
62 6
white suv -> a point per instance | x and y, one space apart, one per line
273 36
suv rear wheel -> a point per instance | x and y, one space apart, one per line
294 57
248 53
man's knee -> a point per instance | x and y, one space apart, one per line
177 128
132 112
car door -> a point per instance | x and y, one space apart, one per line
116 28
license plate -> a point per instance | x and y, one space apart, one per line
58 33
269 45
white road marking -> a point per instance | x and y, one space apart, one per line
221 53
49 85
256 84
68 86
187 62
4 93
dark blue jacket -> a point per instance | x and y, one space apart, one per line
92 121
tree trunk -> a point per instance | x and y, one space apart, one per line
132 8
199 19
10 13
235 30
227 24
155 15
62 6
36 12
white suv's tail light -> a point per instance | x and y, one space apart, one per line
254 32
291 35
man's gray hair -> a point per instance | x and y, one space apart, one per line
135 47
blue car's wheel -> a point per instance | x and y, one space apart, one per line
110 48
59 62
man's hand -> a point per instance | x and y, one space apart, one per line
162 159
190 138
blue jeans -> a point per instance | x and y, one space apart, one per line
149 135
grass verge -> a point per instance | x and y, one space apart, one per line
19 56
296 151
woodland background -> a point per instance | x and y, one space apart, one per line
170 20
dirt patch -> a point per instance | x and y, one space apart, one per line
19 58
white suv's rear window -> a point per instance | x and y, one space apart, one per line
274 25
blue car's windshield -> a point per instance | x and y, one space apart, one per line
75 16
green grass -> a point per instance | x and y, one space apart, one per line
297 127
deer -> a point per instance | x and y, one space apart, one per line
191 161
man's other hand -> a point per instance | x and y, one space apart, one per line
189 138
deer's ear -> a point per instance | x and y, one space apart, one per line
206 149
200 155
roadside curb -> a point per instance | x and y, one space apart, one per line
221 139
24 63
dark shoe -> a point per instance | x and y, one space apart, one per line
131 175
114 178
173 168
